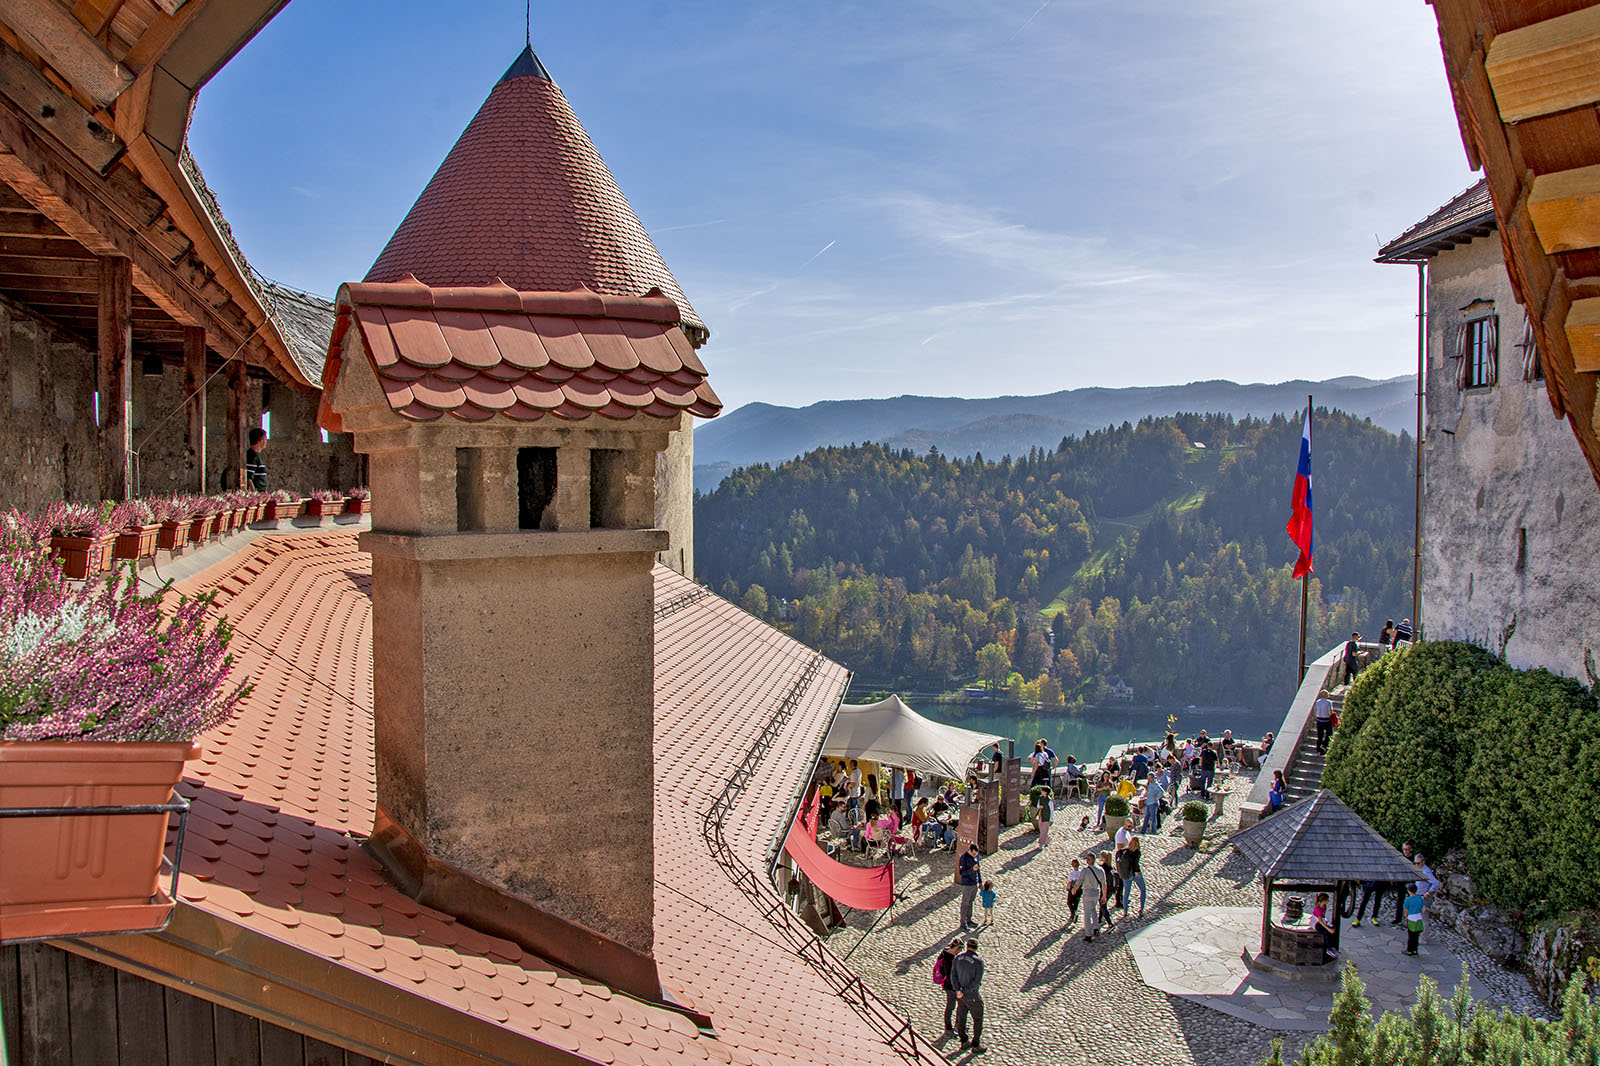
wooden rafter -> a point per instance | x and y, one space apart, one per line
82 208
85 136
66 45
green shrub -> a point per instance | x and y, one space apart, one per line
1195 811
1531 833
1401 754
1443 744
1117 807
1439 1031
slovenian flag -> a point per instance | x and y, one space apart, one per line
1299 526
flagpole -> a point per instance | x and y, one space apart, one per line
1305 581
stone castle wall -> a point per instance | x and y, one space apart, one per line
50 445
1510 508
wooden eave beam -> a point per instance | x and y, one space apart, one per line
237 967
63 42
54 184
1565 207
1533 74
1547 67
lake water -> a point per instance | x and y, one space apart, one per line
1090 733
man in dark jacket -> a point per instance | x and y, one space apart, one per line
968 982
970 880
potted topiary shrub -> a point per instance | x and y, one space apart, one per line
1117 811
325 503
82 537
102 693
360 499
138 530
174 513
1195 816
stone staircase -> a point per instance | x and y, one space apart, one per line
1305 774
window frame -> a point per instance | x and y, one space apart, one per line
1480 353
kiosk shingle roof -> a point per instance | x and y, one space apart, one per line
1321 839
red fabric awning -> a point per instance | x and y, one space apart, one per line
862 888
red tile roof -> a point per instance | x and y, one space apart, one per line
524 196
286 789
478 352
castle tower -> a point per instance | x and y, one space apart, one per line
524 196
514 433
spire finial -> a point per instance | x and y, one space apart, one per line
527 21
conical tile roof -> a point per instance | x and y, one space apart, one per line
525 197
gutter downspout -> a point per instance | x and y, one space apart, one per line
1416 547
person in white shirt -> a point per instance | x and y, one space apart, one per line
1124 835
1324 709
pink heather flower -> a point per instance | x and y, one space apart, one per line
100 661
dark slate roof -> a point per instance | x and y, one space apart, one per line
1469 215
304 320
526 65
1321 839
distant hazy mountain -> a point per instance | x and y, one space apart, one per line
1010 425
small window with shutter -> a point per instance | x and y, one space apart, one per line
1477 352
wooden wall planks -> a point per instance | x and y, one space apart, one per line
60 1009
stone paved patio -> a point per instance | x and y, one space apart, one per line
1052 998
1202 954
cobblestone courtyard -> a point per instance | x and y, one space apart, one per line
1052 998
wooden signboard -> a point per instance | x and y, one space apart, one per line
980 822
1011 792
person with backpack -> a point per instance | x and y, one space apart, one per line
942 976
967 977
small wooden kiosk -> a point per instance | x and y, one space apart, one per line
1316 845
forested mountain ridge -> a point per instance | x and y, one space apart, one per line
1011 425
1151 551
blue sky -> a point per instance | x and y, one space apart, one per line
953 198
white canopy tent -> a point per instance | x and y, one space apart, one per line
892 733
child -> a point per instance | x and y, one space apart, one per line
1414 905
1321 919
987 898
1074 892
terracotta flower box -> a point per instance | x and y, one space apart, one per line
173 535
325 508
83 557
356 506
93 873
137 542
279 509
202 526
